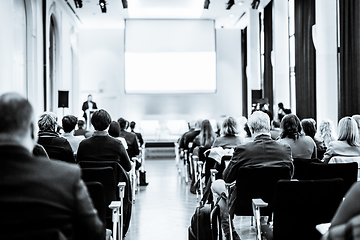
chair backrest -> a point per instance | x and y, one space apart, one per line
338 159
301 168
346 171
120 176
46 234
97 194
106 177
300 205
257 183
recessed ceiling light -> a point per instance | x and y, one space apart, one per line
240 3
231 15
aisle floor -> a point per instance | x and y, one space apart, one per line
164 208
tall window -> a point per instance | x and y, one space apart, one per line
20 48
292 54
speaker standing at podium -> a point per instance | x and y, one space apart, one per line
88 107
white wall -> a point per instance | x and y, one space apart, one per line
102 74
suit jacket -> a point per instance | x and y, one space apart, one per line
101 146
131 140
262 152
340 148
57 147
86 106
38 194
189 137
139 137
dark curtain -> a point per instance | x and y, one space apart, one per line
349 82
243 68
268 47
305 59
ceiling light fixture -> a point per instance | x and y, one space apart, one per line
230 4
102 4
78 3
255 4
124 3
206 4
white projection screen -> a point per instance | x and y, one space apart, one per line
170 56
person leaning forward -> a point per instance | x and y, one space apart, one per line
37 194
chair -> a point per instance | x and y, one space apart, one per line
301 168
299 206
346 171
97 195
120 176
46 234
338 159
209 163
257 183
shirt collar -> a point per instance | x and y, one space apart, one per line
100 133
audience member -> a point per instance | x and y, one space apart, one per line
291 133
114 131
205 138
37 194
131 139
248 137
345 224
309 128
357 119
265 108
191 135
100 146
138 135
275 129
80 131
56 147
347 144
68 123
262 152
39 151
228 137
326 132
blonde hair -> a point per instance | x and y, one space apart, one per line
326 129
229 126
348 130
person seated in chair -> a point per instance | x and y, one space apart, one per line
36 194
229 139
101 146
138 135
80 131
131 139
58 148
68 124
262 152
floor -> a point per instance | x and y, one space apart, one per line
164 208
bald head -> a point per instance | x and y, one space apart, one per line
16 115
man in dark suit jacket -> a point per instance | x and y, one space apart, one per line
37 194
138 135
131 139
190 135
101 146
262 152
89 104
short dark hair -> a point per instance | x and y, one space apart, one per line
290 127
100 119
81 123
114 129
122 123
132 125
69 123
16 114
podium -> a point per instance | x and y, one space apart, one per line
89 113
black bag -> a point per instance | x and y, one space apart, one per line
206 223
143 178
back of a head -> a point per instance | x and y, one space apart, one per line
132 125
81 124
357 119
68 123
47 122
348 131
281 105
290 127
114 129
16 114
122 123
207 134
192 125
229 126
198 124
308 126
100 119
275 123
326 128
259 122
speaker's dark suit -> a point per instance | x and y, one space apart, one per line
85 106
38 194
